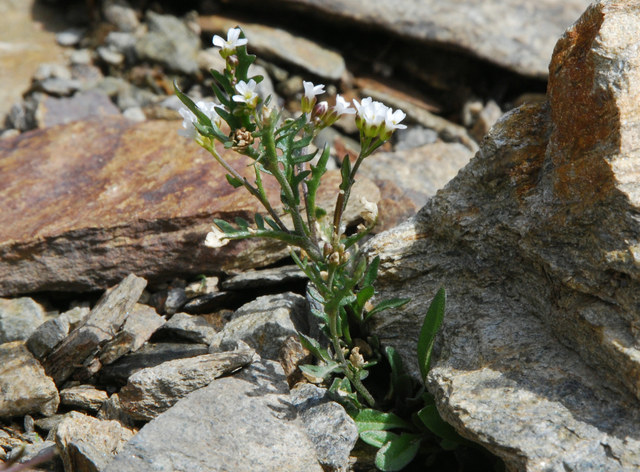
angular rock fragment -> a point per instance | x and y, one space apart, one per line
248 418
265 323
331 430
252 279
191 327
85 397
24 385
536 242
149 355
140 324
19 318
87 444
100 326
153 390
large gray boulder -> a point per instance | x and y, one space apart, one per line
537 241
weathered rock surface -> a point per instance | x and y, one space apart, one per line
149 355
517 34
280 44
19 318
87 203
253 279
80 348
265 324
192 327
421 171
154 390
331 430
240 423
85 397
25 44
536 241
52 111
88 444
24 385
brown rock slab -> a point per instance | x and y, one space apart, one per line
86 397
80 348
536 241
87 203
25 387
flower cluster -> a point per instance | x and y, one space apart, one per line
376 120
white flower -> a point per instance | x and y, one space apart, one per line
392 120
229 46
370 117
215 238
343 107
247 93
309 98
189 119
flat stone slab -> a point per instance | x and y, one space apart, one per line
516 34
87 203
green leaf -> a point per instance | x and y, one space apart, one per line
374 420
272 223
433 421
224 226
315 348
259 220
242 223
430 326
398 452
321 371
377 438
202 118
386 304
345 171
372 272
233 181
362 297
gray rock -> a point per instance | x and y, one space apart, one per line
169 42
47 336
57 86
413 137
149 355
120 14
85 397
248 417
154 390
140 324
421 171
53 111
202 287
517 34
88 444
331 430
99 327
210 302
264 278
536 242
110 56
134 114
265 323
111 409
25 387
279 44
176 298
19 318
70 37
191 327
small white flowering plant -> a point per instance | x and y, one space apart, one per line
341 278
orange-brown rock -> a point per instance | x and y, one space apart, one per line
87 203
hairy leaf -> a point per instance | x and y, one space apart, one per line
430 326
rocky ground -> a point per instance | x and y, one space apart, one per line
190 364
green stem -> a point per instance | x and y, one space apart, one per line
351 375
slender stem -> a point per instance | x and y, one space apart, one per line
351 375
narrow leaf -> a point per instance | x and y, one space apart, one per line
233 181
372 272
315 348
224 226
259 220
386 304
430 326
321 371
